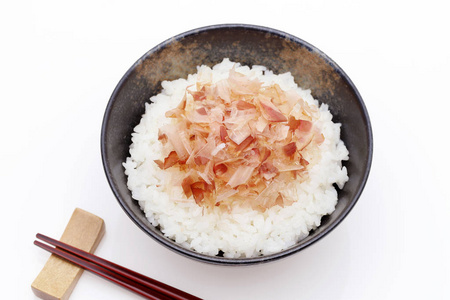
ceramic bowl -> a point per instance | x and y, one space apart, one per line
250 45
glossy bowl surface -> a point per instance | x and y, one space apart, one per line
250 45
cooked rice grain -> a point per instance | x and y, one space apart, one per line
243 232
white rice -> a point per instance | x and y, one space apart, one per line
243 232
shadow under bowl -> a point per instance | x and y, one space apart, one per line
249 45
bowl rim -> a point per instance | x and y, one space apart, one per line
216 259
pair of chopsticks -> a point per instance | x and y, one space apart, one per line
138 283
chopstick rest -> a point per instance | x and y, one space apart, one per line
58 278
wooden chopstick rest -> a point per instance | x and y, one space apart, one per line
58 278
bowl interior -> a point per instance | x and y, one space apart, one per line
249 45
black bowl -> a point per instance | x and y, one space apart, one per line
250 45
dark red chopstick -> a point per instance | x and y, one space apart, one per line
138 283
120 280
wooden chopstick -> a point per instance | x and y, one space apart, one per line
138 283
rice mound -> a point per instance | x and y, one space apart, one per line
243 232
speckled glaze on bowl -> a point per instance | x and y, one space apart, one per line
250 45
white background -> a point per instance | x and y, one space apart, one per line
61 60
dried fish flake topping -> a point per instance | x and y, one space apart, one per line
238 142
